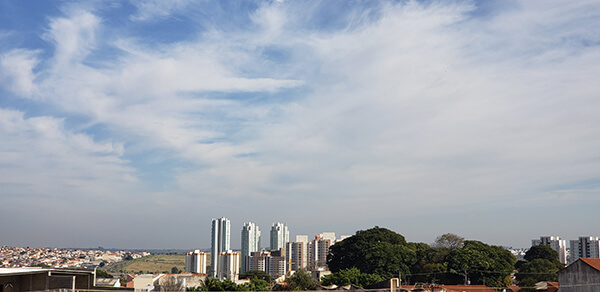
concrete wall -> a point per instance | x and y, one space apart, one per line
579 277
27 282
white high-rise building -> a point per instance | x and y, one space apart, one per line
554 242
229 265
250 243
584 247
328 235
195 262
280 235
220 242
318 249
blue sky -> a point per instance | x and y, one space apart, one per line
132 124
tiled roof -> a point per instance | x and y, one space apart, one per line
594 263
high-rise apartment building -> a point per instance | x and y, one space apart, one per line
584 247
269 261
297 253
229 265
318 250
250 243
220 242
280 235
554 242
195 262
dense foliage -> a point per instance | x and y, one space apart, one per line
351 276
301 280
211 284
256 275
374 251
384 253
540 264
103 274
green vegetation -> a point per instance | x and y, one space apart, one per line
384 253
300 280
540 264
351 276
256 275
103 274
210 284
374 251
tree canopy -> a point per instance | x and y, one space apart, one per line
479 263
379 251
301 280
255 274
351 276
374 251
449 241
541 264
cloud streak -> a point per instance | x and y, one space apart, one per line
394 108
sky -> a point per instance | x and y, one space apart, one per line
131 124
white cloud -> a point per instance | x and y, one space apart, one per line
424 104
74 36
47 160
17 71
151 9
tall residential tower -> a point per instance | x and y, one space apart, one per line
250 243
585 247
280 235
554 242
220 242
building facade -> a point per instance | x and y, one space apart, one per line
280 235
270 261
250 243
229 265
297 253
554 242
195 262
581 276
220 242
318 250
584 247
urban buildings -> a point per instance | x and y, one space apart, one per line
195 262
229 265
584 247
271 262
310 255
554 242
280 235
297 253
318 250
250 243
220 242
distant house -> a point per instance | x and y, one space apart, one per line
146 282
582 276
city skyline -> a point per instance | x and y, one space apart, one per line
145 119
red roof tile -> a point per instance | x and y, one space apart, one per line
594 263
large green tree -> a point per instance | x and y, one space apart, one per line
256 274
377 251
449 241
350 276
301 280
479 263
540 264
